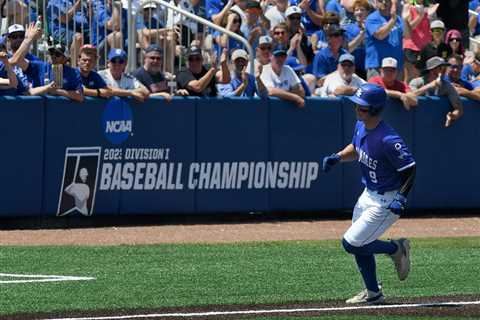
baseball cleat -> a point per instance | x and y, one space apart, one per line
368 297
401 258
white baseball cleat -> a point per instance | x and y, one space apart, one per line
401 258
368 297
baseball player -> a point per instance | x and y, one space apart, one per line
388 171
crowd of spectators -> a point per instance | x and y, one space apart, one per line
325 48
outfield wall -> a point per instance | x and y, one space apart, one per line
214 155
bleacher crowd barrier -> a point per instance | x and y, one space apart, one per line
195 155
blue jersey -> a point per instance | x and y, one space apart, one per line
71 78
93 80
382 155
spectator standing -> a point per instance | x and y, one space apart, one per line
280 80
454 40
263 52
435 48
355 34
344 81
71 85
197 80
242 84
313 11
276 13
319 38
120 83
93 84
299 46
393 87
151 75
434 83
280 34
418 37
384 36
253 29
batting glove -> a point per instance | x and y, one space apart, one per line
330 161
397 206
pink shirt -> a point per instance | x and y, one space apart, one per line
421 35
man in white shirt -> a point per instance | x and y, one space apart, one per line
344 81
276 14
122 84
280 80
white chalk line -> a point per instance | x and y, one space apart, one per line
30 278
276 311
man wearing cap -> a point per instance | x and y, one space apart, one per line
298 46
121 83
437 47
93 84
344 81
326 59
263 51
434 83
384 37
394 88
151 75
242 84
71 87
20 43
196 80
280 80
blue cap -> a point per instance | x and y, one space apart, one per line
370 95
293 63
279 50
117 53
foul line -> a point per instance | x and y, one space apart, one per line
40 278
266 311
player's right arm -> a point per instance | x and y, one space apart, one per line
348 153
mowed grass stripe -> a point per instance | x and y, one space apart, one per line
156 276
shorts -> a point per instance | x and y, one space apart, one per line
411 56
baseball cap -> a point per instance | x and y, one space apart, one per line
293 63
253 5
437 24
435 62
59 48
149 4
334 29
194 51
117 53
389 62
369 94
279 50
265 40
15 28
239 53
154 47
346 57
292 10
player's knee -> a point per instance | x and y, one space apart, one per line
348 247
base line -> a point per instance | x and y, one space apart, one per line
270 311
29 278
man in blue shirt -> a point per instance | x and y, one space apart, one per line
388 171
93 83
384 37
326 59
242 84
68 82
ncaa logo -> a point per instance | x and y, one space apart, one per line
117 121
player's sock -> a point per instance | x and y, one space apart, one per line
375 247
366 266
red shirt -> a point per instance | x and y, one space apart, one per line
397 85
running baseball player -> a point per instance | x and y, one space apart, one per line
388 171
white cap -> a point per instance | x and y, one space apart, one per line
265 39
437 24
389 63
150 5
15 28
293 10
239 53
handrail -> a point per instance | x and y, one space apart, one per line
205 22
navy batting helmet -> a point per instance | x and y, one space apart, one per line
372 96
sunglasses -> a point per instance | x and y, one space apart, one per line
16 36
279 32
455 66
195 59
454 40
236 20
118 61
347 65
361 109
437 30
155 58
267 48
294 18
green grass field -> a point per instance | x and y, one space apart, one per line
155 276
